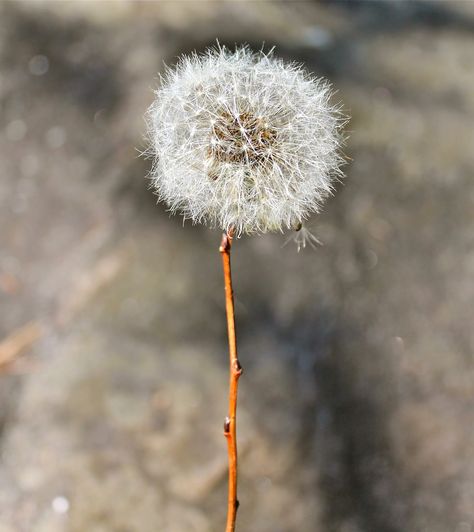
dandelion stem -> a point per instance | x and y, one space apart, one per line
235 370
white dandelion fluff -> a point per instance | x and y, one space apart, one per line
243 141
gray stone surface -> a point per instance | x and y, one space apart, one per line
356 405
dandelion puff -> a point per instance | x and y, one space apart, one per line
243 141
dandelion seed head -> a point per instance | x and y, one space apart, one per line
243 140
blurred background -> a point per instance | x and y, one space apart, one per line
356 406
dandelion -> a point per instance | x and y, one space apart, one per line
243 141
250 144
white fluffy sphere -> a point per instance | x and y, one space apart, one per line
243 140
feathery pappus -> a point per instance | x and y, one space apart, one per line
243 140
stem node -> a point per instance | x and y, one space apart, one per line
237 367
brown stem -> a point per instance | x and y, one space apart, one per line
235 370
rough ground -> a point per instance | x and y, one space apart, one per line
356 410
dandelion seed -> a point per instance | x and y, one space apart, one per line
302 237
259 163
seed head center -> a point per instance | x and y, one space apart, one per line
242 138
